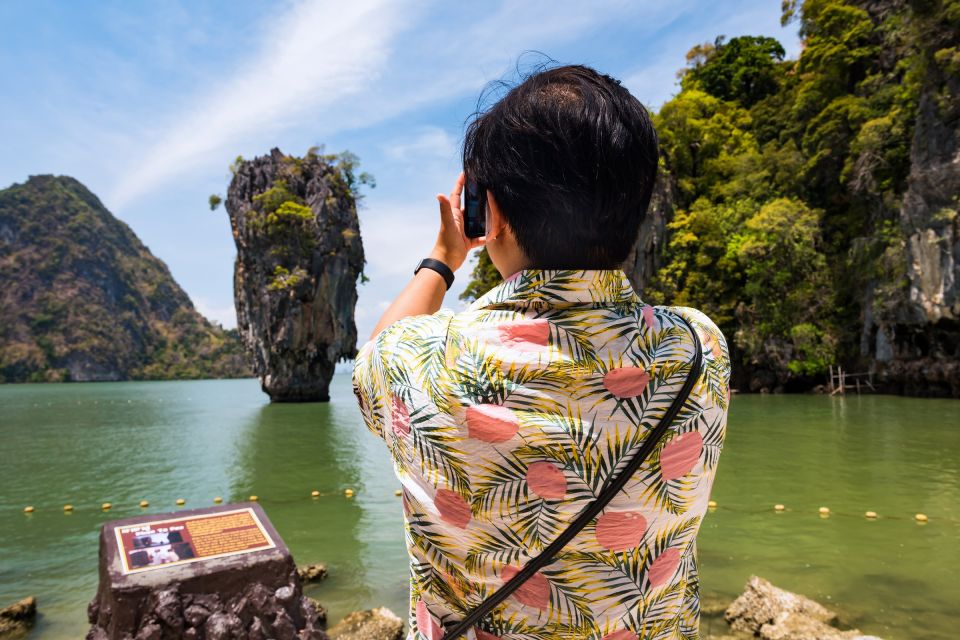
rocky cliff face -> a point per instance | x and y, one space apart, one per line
82 299
912 331
644 259
299 255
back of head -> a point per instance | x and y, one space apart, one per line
571 159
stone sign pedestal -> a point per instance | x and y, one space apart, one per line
213 574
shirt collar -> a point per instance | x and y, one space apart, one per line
561 288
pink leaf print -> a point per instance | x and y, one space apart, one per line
525 335
623 634
452 508
426 624
535 592
649 318
483 635
680 455
621 530
491 422
663 568
546 480
711 343
626 382
399 416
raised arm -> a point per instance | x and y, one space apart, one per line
424 293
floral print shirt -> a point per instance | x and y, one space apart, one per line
504 422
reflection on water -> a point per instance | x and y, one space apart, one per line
85 444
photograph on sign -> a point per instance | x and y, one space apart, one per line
161 543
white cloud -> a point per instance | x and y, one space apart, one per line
429 143
314 55
397 233
655 83
226 316
336 67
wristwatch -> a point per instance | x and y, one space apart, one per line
439 267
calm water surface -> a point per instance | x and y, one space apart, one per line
86 444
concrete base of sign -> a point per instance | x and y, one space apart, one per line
236 594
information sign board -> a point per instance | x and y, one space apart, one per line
155 544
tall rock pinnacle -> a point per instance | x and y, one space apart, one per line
299 255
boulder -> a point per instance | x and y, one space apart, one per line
17 619
312 572
770 613
372 624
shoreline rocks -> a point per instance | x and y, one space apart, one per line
17 619
312 573
373 624
770 613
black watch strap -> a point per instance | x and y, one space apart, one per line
439 267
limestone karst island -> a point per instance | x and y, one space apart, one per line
205 211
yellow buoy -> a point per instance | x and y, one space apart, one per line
217 500
144 504
921 517
106 506
824 511
779 507
398 492
67 508
871 515
254 498
181 501
315 493
28 509
348 493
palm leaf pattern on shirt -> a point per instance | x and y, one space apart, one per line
506 420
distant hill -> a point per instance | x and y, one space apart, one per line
81 298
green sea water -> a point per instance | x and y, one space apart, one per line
85 444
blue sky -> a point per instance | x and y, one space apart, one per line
147 103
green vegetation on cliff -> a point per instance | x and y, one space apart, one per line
788 179
83 299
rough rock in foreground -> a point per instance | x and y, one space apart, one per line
770 613
299 255
16 620
372 624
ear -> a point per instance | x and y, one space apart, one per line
496 223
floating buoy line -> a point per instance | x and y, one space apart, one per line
349 492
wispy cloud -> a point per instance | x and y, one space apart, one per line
314 55
427 143
224 315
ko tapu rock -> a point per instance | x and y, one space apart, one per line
299 255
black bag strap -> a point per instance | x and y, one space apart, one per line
595 507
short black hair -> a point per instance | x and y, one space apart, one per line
571 158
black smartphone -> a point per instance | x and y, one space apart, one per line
474 210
